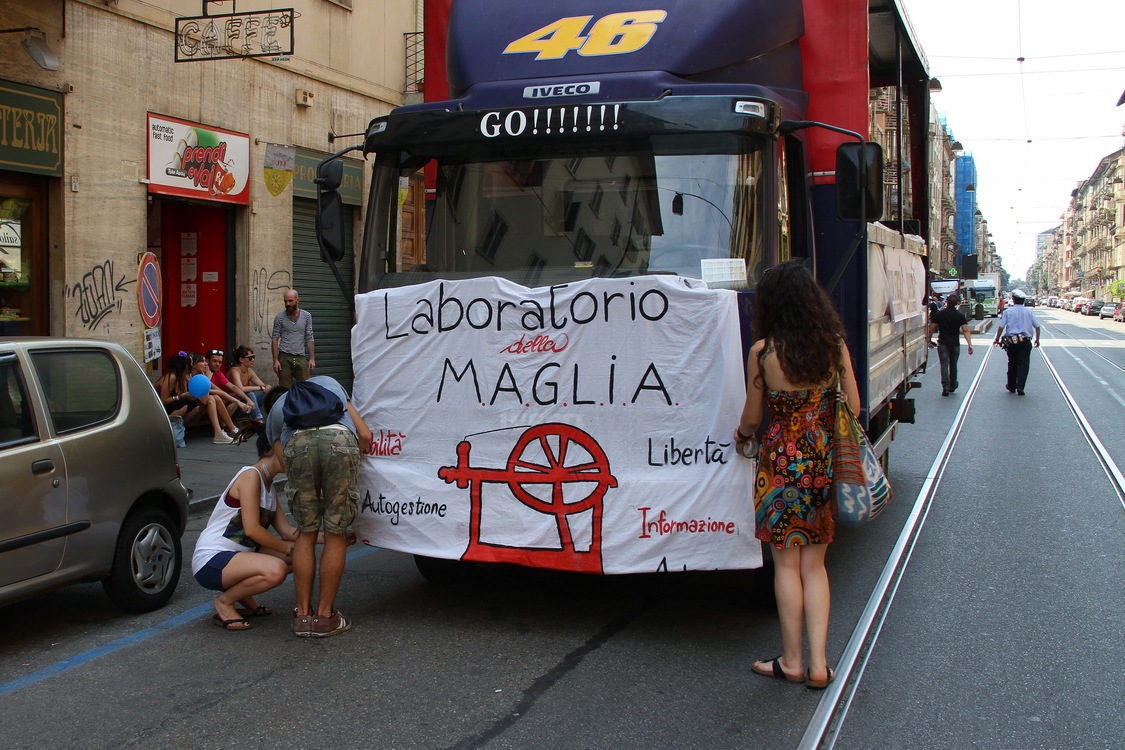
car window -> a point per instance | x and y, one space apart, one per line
82 387
17 423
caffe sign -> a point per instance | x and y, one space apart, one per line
195 161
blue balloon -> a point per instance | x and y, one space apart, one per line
199 385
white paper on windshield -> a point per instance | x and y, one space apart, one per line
722 270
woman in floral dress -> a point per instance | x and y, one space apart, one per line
797 359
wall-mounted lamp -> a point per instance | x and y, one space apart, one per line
36 48
957 146
970 188
935 84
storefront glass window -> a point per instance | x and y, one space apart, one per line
13 259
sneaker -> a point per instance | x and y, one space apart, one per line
322 627
222 438
945 393
302 626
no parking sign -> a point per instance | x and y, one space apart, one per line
148 290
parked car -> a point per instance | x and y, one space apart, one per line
89 483
1107 311
1092 307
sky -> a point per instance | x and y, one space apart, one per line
1036 129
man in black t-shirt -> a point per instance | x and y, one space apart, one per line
949 322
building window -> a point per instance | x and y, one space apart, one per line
534 270
615 233
497 228
596 201
584 246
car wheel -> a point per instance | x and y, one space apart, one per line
445 572
146 562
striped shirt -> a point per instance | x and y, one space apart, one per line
293 333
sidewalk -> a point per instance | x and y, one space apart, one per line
977 327
207 468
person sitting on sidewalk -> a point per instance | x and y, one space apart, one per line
243 375
178 401
242 400
322 464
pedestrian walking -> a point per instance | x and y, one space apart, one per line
294 353
796 367
1017 325
321 467
950 323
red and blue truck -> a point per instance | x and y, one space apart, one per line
631 146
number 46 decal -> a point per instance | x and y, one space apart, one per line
615 34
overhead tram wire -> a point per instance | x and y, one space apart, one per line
1037 57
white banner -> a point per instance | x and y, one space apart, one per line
581 427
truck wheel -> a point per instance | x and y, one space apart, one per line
146 562
444 572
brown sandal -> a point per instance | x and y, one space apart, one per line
812 684
776 670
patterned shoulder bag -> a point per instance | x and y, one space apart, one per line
860 490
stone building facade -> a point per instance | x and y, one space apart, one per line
207 165
1085 255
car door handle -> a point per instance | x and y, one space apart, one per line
43 466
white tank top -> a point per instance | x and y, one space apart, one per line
224 531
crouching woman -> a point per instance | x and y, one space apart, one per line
236 554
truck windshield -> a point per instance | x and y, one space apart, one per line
690 206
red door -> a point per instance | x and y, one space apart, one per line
193 241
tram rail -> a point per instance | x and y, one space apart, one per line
830 713
829 716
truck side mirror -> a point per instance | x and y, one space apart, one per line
330 174
330 210
848 187
330 225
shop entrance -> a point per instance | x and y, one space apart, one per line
23 255
195 251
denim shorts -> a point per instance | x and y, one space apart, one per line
210 576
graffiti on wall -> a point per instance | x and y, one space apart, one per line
100 292
262 284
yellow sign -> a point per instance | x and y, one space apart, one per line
278 167
277 180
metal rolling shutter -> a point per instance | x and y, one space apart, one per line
321 295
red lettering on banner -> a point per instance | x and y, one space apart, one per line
386 443
537 345
663 525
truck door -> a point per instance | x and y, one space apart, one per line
32 483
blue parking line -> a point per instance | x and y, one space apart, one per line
129 640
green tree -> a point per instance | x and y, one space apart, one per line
1117 289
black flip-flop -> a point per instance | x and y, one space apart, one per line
260 611
226 624
777 671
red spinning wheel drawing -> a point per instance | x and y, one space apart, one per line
554 469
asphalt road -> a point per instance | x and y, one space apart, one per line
1002 633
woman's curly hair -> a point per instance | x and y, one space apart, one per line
796 317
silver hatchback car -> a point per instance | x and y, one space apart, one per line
89 484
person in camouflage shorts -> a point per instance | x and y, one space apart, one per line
321 467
